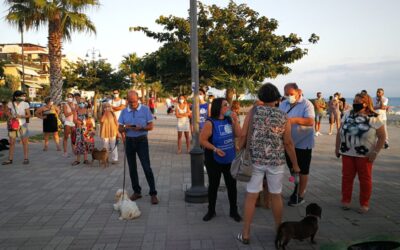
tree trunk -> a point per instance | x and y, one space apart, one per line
229 95
55 54
96 108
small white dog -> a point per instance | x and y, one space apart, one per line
127 208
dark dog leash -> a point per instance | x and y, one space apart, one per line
123 185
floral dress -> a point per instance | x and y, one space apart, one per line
84 135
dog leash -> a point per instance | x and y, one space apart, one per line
115 146
123 184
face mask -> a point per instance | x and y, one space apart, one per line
291 99
81 105
181 101
19 99
201 97
357 107
228 113
70 99
116 95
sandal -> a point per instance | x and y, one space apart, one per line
7 162
25 162
85 162
76 163
363 210
241 239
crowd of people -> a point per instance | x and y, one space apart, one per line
279 132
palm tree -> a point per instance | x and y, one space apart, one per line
62 17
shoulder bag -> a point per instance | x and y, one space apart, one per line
13 123
241 167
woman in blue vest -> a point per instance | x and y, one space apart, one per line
217 139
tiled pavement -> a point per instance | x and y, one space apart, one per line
52 205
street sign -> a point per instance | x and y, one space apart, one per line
32 92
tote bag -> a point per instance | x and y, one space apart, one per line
241 167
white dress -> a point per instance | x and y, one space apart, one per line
183 122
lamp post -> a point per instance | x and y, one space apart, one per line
93 53
21 29
197 192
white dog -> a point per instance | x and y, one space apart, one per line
127 208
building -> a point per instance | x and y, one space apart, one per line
36 64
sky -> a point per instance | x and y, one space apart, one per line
359 45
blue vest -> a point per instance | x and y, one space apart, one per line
203 110
222 138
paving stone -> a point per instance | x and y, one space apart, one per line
74 210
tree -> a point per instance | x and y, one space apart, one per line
235 44
98 76
62 17
13 82
2 63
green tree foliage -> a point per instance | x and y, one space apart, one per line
13 82
97 76
5 94
62 18
238 48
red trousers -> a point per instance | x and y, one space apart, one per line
352 166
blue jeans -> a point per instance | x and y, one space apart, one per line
140 146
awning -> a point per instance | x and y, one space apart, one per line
33 85
28 72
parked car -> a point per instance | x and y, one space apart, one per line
33 106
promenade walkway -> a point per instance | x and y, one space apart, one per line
52 205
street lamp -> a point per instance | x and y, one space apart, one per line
197 192
93 52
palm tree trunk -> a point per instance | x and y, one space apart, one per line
55 55
229 95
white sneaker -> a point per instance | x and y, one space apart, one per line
330 133
319 133
316 134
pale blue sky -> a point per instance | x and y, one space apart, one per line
359 46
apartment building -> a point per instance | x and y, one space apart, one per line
36 63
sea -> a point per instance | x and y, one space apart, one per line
394 104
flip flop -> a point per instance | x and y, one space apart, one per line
76 163
25 162
241 239
7 162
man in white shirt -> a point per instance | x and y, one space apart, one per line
381 105
117 103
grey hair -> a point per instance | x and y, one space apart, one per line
292 85
133 92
